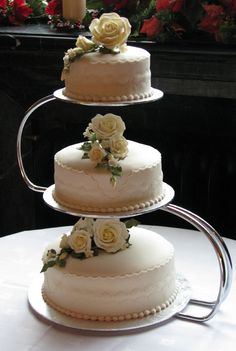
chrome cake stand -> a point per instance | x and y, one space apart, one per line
216 241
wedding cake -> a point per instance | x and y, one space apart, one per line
106 269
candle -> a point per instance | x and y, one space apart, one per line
74 10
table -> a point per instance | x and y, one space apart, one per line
22 330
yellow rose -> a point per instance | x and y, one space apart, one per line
110 234
107 126
110 30
96 154
84 43
80 242
118 146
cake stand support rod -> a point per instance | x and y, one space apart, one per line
224 260
29 112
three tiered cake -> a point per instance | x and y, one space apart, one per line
106 269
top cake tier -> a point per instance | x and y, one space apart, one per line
105 69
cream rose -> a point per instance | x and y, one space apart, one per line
80 242
110 30
110 234
64 242
84 43
118 146
97 153
84 223
107 126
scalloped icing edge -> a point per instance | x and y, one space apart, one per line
131 97
129 208
126 317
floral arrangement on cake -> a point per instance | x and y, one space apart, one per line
109 35
87 238
16 12
106 144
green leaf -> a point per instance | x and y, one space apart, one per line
132 222
94 4
193 12
105 50
86 147
47 265
113 180
81 255
61 263
93 137
116 171
103 165
38 7
85 156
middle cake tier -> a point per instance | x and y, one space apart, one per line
79 184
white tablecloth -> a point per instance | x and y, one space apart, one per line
21 330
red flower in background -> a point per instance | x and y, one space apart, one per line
213 18
118 4
18 11
54 7
3 4
173 5
152 27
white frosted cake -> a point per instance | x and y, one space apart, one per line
132 283
87 183
105 68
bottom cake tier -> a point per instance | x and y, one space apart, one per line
130 284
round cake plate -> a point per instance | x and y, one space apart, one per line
51 202
157 94
42 310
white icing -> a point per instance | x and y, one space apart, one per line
110 77
79 185
129 284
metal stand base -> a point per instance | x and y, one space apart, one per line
223 256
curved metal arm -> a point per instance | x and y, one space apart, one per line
224 260
36 105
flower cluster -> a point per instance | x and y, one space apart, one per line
87 238
15 12
173 19
83 46
106 144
